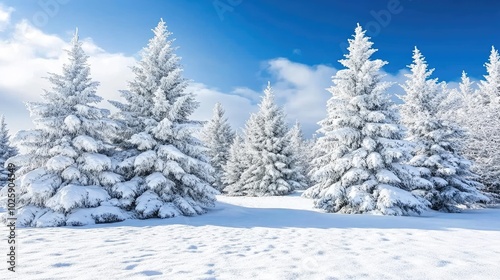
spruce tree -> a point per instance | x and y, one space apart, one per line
437 141
218 136
490 86
456 100
270 162
165 167
481 120
6 151
465 87
301 152
358 168
235 164
65 170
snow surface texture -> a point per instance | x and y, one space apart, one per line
268 238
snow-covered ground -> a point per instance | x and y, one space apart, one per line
267 238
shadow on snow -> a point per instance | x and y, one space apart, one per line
234 216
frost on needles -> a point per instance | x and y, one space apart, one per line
480 117
6 151
166 169
218 137
65 167
302 153
437 141
266 163
359 164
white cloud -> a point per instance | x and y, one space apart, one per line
27 54
5 13
237 108
301 89
247 93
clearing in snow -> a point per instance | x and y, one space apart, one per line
268 238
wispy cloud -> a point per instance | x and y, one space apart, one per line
5 13
27 54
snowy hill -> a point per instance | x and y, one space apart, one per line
268 238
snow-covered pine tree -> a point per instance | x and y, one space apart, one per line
437 142
300 150
311 154
481 119
270 164
6 151
457 100
358 168
235 164
65 166
218 137
465 88
165 167
490 87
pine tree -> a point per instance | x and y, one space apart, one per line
480 117
270 165
465 86
490 86
358 168
300 150
165 167
218 136
437 141
457 100
6 151
65 168
236 163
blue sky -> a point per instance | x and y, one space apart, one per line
235 46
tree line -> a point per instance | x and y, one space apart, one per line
83 165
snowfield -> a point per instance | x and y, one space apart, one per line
267 238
